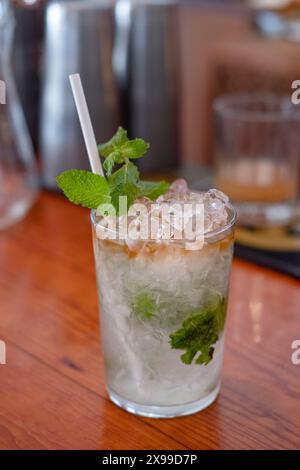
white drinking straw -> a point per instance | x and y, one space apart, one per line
86 125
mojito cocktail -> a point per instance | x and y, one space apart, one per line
163 257
163 310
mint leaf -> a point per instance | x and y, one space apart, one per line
119 149
144 305
135 148
220 311
206 356
89 190
116 141
84 188
124 182
114 158
153 190
188 356
199 332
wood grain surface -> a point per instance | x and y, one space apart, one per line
52 393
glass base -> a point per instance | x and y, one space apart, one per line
12 211
150 411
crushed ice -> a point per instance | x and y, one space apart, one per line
168 223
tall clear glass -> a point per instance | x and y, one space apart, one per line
149 297
18 176
257 153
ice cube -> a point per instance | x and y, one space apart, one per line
216 194
215 213
179 186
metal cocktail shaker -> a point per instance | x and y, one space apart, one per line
153 67
78 38
26 53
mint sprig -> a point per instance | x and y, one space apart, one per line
119 149
114 143
200 331
90 190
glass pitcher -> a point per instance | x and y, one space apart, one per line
18 173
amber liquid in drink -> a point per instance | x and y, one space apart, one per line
259 180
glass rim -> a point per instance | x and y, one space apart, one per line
232 211
224 106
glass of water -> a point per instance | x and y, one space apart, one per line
18 172
257 155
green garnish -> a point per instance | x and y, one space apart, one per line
153 190
90 190
144 305
119 149
85 188
199 332
124 182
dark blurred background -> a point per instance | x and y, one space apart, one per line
155 67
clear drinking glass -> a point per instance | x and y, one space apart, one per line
18 176
144 375
257 155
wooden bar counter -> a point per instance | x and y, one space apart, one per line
52 393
